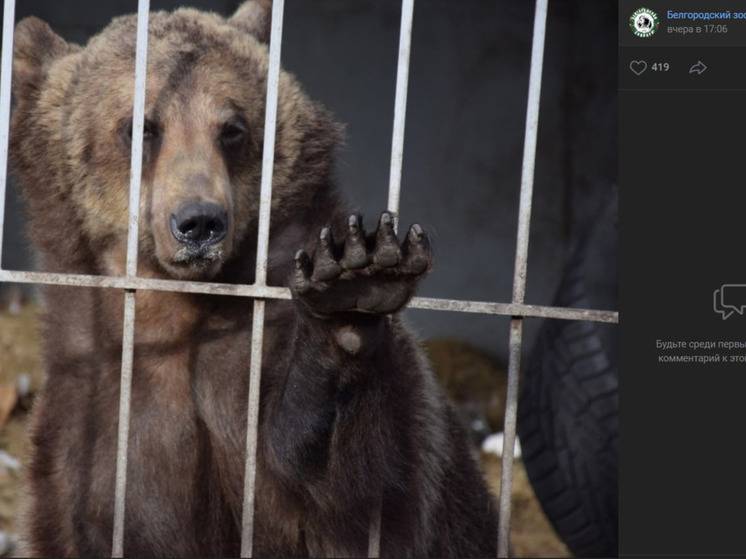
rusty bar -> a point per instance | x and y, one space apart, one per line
268 292
128 327
262 251
151 284
120 490
513 309
519 277
509 428
9 16
257 339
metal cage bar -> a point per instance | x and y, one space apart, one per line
395 174
400 107
519 273
6 67
269 292
260 278
128 328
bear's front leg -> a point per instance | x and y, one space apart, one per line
339 427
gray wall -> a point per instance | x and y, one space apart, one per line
464 135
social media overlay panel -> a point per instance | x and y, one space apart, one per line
682 44
682 176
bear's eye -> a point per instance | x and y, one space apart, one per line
233 132
150 130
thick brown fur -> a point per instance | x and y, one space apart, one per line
350 412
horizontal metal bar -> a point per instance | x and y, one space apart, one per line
267 292
123 282
513 309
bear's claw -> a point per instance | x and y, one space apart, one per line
370 274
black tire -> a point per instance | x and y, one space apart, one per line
568 422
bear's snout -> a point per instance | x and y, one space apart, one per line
199 224
193 225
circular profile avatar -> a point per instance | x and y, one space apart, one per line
643 22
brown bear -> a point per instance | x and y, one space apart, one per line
350 412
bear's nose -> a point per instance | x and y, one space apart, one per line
199 223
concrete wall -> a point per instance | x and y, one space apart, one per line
464 135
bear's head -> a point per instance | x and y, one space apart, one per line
202 153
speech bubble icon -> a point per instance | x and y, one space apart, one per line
730 298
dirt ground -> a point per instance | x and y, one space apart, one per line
470 377
476 384
20 377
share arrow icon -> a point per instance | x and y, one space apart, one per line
698 68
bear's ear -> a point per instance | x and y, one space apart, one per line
254 17
35 47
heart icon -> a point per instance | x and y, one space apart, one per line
638 66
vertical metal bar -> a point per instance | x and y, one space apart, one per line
257 340
397 159
120 490
374 532
400 107
138 129
529 151
128 332
270 128
509 429
262 250
9 15
519 277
